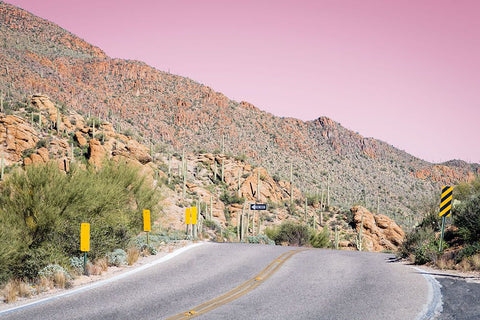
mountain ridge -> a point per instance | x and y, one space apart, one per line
175 113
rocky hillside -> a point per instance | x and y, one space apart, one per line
221 187
173 114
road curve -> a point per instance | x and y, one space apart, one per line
240 281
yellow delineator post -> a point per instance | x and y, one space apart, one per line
147 226
187 219
445 209
193 212
85 243
190 217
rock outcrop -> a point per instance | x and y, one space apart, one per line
380 233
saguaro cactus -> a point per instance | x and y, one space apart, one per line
336 237
58 121
238 189
3 167
359 237
291 183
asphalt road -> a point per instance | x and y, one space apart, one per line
239 281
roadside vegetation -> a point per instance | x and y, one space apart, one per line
42 207
298 234
461 246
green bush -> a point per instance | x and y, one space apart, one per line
230 198
290 232
261 238
321 239
41 209
467 218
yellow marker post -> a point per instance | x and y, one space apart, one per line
85 243
147 226
445 209
193 211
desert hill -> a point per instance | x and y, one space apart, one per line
171 115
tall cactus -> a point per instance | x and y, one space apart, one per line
258 185
336 237
359 237
306 216
169 171
223 171
58 121
328 190
184 174
3 167
238 189
211 207
291 183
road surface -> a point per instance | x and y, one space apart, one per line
242 281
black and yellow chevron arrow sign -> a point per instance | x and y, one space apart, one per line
446 201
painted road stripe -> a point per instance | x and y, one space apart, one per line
434 305
239 291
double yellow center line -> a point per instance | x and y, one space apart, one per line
239 291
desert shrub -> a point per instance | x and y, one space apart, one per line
261 238
290 232
117 257
41 209
421 244
467 218
321 239
229 198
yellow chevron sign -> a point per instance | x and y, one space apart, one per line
446 201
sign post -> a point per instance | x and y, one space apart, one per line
445 209
147 226
85 243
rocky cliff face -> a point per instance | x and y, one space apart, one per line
174 113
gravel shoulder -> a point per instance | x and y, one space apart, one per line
82 281
460 293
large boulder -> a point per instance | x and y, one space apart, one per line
380 233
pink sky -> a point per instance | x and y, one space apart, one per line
405 72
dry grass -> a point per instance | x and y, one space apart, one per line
132 255
94 269
102 263
476 262
44 284
445 263
24 289
59 280
10 291
464 265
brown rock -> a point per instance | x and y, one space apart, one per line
43 153
379 231
16 135
96 153
82 141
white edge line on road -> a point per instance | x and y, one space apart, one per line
104 282
433 307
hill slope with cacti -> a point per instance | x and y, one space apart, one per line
172 114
